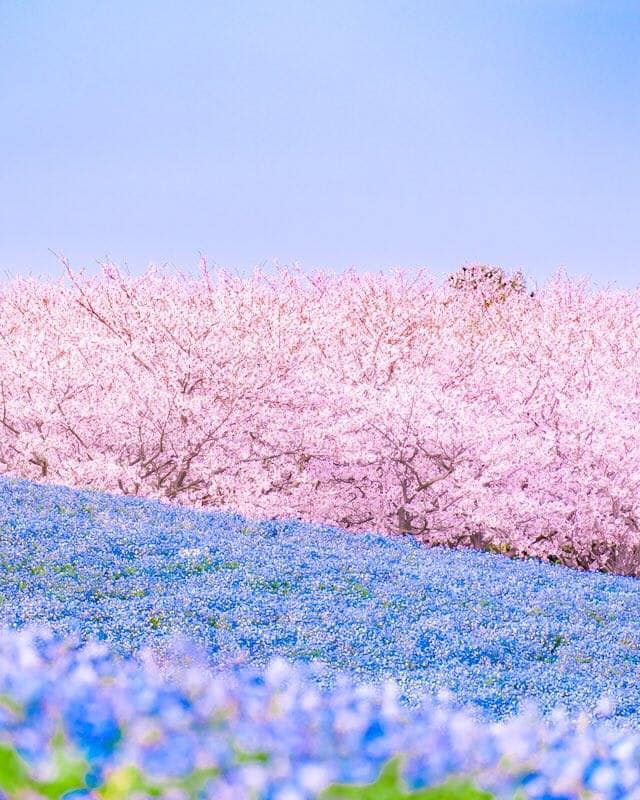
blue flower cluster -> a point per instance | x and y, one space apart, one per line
136 573
76 722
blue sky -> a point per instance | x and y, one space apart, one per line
335 133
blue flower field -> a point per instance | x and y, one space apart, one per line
178 653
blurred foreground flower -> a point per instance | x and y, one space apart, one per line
79 722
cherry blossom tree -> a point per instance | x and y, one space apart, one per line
473 413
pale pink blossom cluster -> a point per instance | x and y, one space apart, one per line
368 402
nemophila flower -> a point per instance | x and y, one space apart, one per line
491 630
184 682
169 755
274 732
90 723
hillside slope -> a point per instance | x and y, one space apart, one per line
494 631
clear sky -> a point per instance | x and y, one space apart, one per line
337 133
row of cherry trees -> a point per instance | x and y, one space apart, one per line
472 413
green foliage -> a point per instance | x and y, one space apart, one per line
127 782
16 781
390 786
